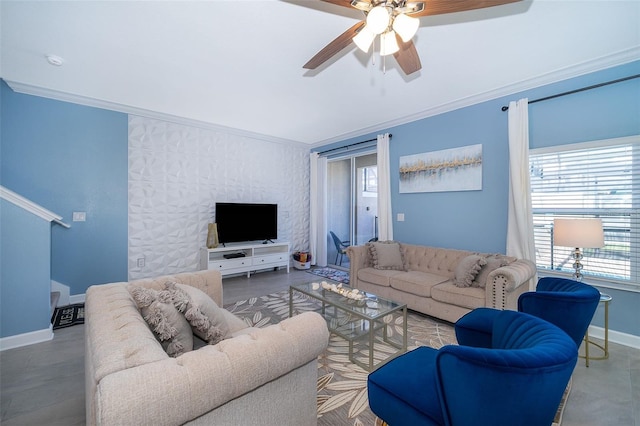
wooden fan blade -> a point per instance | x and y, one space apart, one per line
345 3
438 7
407 56
342 41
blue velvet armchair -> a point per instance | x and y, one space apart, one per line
518 379
566 303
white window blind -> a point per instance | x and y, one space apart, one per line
598 179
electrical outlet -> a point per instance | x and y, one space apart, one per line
79 216
400 217
141 262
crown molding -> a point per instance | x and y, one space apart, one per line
598 64
57 95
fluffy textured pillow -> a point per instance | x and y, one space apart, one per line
169 326
206 318
467 270
494 262
387 255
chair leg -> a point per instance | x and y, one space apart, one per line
341 259
336 261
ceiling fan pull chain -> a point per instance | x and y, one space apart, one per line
373 53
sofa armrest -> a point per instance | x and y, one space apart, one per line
176 390
358 259
507 283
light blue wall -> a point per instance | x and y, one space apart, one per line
67 158
25 246
477 220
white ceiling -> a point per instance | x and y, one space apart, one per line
237 65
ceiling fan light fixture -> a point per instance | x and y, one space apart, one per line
406 26
378 19
388 43
364 38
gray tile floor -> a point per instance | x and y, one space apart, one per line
43 384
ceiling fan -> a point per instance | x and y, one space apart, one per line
396 22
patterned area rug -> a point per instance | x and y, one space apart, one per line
66 316
332 274
342 385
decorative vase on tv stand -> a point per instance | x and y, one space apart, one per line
212 236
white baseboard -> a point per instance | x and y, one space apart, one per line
25 339
76 298
616 337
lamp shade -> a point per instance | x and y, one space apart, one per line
388 43
378 19
579 233
364 38
406 26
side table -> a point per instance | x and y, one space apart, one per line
605 299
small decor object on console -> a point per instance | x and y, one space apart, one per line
212 236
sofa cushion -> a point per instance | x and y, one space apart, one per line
466 297
204 316
386 255
432 259
467 269
407 387
494 261
377 276
167 323
416 282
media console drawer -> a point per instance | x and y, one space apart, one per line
270 258
229 263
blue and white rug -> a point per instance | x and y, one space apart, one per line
332 274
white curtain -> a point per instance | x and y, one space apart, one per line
385 218
520 239
318 210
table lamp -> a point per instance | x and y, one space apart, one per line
578 233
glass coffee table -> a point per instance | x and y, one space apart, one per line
352 318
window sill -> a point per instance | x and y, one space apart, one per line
598 282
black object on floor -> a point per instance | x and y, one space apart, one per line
66 316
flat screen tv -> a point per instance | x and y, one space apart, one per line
243 222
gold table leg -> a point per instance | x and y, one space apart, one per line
605 299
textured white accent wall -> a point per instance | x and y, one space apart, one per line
176 175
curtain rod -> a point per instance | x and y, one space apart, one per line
595 86
349 146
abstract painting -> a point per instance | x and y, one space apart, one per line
456 169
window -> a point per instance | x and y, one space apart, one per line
370 181
598 179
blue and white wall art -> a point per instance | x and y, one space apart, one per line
456 169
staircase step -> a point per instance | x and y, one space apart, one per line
55 296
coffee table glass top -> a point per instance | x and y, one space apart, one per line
371 306
353 315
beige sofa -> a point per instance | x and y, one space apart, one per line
428 282
258 376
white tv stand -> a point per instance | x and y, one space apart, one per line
256 257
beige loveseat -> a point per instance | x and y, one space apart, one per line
257 376
428 281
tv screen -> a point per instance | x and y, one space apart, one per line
240 222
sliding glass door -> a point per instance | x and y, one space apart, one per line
352 204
